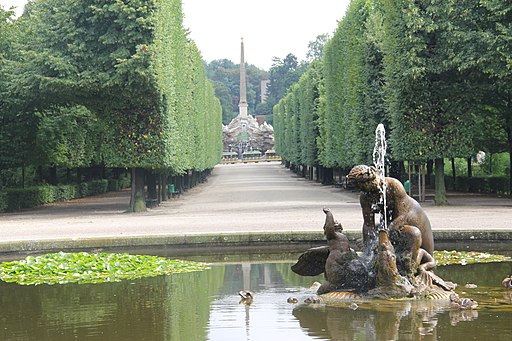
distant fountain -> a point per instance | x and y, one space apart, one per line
397 258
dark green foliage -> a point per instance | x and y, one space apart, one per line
225 77
436 74
66 192
18 198
3 201
116 84
92 188
340 100
349 116
478 184
118 184
12 199
295 119
282 75
68 137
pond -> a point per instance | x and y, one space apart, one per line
205 306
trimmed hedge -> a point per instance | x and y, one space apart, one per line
493 185
3 201
18 198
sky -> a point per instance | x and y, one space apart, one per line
270 28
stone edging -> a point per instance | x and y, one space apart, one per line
228 240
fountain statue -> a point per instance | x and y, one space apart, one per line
397 258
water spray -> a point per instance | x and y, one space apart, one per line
379 161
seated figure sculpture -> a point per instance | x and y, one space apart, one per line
402 209
398 268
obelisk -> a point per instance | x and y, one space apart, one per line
242 105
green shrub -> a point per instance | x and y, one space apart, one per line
113 185
477 184
18 198
98 186
3 202
124 182
13 199
461 184
66 192
499 185
83 189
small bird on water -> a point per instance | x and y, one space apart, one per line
292 300
507 282
247 297
462 303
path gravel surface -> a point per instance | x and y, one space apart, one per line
263 197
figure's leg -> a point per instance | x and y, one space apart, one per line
425 260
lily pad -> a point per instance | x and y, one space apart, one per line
83 267
467 257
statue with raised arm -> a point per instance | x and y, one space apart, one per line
400 207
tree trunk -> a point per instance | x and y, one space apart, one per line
40 173
509 132
327 176
152 188
53 175
454 173
470 171
164 183
137 202
23 177
430 166
440 197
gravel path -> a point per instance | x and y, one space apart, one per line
263 197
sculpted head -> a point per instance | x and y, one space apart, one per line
363 177
331 225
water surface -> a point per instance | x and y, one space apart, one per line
205 306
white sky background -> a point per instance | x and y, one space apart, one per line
269 27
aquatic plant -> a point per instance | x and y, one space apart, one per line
83 267
467 257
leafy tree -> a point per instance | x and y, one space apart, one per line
226 77
222 92
480 32
67 137
437 74
133 67
316 48
283 74
309 101
352 99
429 101
17 129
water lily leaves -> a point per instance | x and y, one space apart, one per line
83 267
467 257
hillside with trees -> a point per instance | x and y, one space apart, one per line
225 76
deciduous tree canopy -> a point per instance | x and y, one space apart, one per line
437 74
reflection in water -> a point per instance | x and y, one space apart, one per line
205 306
381 320
159 308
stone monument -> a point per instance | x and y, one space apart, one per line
244 133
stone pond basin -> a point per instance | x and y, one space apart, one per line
205 305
